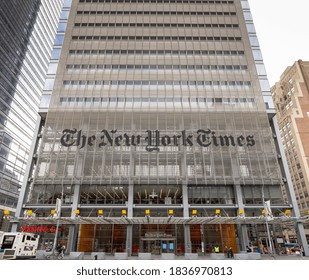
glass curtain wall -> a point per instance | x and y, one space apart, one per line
27 33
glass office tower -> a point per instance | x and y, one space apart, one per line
157 136
27 34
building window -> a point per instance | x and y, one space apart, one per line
98 194
157 194
253 194
211 195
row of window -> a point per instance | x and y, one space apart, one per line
156 67
176 25
158 38
209 100
159 52
170 13
156 194
158 1
156 82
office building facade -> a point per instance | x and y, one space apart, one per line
27 34
157 136
290 96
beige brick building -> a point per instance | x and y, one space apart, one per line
291 98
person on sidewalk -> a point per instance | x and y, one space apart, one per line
216 249
230 253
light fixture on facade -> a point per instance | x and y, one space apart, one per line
77 212
7 214
171 212
29 214
100 213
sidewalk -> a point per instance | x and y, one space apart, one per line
206 257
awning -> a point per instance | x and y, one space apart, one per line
155 220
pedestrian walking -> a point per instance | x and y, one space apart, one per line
231 253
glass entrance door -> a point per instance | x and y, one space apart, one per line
158 246
152 246
168 246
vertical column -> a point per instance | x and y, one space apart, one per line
73 235
72 238
242 229
188 246
130 215
129 238
183 170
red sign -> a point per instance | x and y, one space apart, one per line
40 229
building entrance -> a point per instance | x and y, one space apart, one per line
157 246
158 238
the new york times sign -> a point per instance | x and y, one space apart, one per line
152 140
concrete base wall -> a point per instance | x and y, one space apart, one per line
217 256
76 255
121 256
144 256
241 256
168 256
191 256
254 256
98 255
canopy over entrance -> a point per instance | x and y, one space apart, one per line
161 220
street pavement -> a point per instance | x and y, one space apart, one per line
205 257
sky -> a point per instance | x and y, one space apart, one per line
282 27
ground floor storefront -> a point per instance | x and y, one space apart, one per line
175 235
155 239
